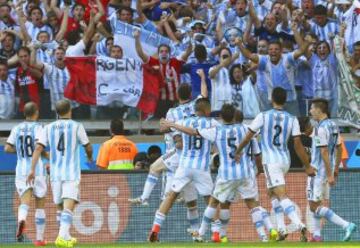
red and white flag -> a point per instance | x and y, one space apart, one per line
101 80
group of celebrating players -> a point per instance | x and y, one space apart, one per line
191 136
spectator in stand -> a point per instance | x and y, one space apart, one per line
201 63
7 45
6 21
325 74
351 20
279 69
322 26
28 82
118 153
169 68
355 63
7 92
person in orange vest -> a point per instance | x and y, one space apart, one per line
117 153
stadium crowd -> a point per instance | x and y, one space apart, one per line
245 47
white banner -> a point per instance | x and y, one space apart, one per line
118 79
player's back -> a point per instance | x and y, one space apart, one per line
176 114
196 150
228 137
278 126
23 137
325 134
64 138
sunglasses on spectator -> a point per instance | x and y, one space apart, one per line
225 56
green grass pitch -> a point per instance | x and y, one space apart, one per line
204 245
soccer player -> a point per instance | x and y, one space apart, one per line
325 158
169 162
193 165
22 141
233 177
64 138
276 126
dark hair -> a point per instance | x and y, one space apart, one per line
117 126
36 8
154 149
200 53
279 96
108 38
323 42
225 48
11 35
63 107
276 42
357 43
304 121
73 37
227 112
25 49
321 104
77 4
164 45
126 8
320 10
60 48
42 32
184 91
238 116
232 69
202 104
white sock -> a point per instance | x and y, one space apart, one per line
266 218
279 215
150 183
23 212
40 223
216 226
330 215
316 222
257 219
158 221
65 224
209 214
193 218
224 217
58 217
290 211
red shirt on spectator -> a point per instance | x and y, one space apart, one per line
170 73
88 4
27 87
72 25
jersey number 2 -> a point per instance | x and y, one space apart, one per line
276 139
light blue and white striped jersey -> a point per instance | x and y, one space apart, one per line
7 97
325 76
64 138
262 9
34 30
58 79
176 114
279 75
276 127
196 150
23 137
322 33
227 138
325 134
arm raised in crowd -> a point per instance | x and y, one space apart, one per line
64 23
203 88
303 45
187 52
215 70
247 54
139 49
253 16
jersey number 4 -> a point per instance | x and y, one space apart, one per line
61 144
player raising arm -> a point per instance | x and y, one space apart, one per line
64 138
